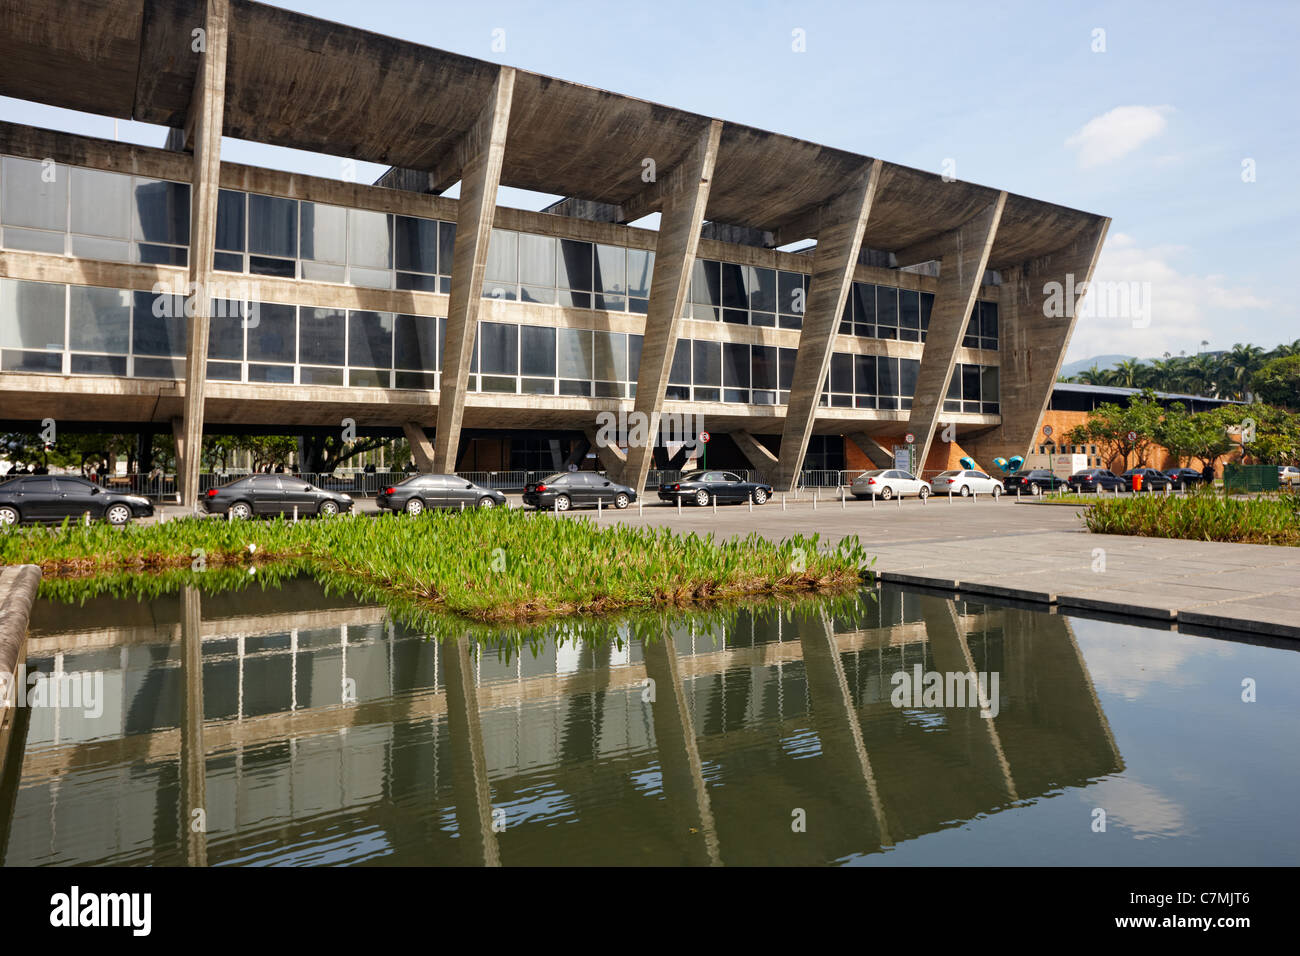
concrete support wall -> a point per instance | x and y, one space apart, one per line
1034 340
421 448
481 155
205 122
838 241
685 194
961 271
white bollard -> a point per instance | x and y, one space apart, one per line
842 499
598 504
900 500
751 504
679 506
295 514
783 501
873 501
640 510
714 501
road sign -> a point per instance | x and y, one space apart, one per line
704 437
1047 430
909 438
1132 436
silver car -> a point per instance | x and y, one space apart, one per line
965 483
886 483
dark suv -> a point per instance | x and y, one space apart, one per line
576 489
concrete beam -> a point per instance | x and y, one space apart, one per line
685 195
755 452
611 458
480 154
880 456
205 121
964 255
841 227
421 447
1038 305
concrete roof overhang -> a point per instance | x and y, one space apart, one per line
302 82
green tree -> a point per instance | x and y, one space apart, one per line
1110 425
1278 381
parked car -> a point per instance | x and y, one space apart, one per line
50 498
273 495
419 493
1033 482
720 486
1152 478
886 483
1184 478
1288 476
577 489
1095 479
965 483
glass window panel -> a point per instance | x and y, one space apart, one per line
575 388
324 233
446 248
99 320
230 221
34 241
609 350
634 356
907 372
640 272
864 308
611 270
264 266
764 366
785 363
576 300
368 377
272 226
498 349
927 306
31 314
575 265
762 295
370 239
680 374
426 380
707 363
99 365
328 272
503 258
158 326
225 372
101 203
413 281
735 292
537 350
735 365
886 375
33 197
970 383
864 374
321 336
274 336
544 295
909 315
886 312
954 385
275 374
415 343
320 376
841 372
370 339
226 331
537 260
113 249
370 278
573 353
790 294
162 211
706 289
161 368
989 322
228 261
164 255
989 384
417 244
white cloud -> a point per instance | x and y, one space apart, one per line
1105 138
1177 311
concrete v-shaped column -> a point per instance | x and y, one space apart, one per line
205 122
964 257
839 238
1038 305
479 156
685 194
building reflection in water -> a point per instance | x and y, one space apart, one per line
287 726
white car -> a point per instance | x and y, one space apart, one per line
966 483
886 484
1288 475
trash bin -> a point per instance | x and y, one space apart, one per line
1137 481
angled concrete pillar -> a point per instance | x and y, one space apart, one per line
880 456
684 193
839 236
194 753
421 448
470 786
478 157
755 452
964 255
203 131
1038 305
610 457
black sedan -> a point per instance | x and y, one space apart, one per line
50 498
419 493
720 486
576 489
1153 479
274 495
1033 482
1095 479
1184 478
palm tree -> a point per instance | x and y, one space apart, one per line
1239 367
1092 376
1128 373
1200 375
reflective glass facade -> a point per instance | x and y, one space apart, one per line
973 389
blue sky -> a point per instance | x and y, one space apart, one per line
1152 132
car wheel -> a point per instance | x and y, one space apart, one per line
621 501
562 503
486 502
328 509
760 496
241 511
997 492
414 506
701 497
1035 490
8 517
923 493
965 491
887 493
118 515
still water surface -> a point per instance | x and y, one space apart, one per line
287 726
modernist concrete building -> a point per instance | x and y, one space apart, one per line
918 300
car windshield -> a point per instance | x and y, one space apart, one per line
555 477
872 474
8 482
948 474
